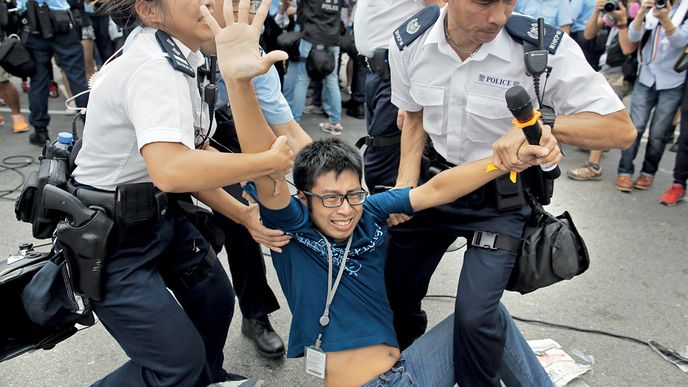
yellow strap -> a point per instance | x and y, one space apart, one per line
532 121
492 167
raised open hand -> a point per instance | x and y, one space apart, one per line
238 52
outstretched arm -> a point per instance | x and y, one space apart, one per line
239 61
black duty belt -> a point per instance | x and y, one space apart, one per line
379 141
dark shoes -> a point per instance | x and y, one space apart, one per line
354 109
39 137
268 343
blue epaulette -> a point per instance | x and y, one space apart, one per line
523 28
174 54
416 26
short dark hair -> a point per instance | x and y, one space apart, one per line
323 156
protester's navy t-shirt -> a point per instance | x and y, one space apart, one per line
360 315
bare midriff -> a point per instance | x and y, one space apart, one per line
355 367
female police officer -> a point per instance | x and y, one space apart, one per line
147 123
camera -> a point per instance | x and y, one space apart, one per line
612 5
659 4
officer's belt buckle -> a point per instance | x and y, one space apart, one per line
485 240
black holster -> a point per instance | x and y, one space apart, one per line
86 248
379 63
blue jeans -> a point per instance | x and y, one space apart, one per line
296 85
643 99
429 360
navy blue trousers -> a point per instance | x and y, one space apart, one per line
67 47
381 163
416 248
171 342
247 265
681 164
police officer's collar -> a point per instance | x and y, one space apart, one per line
178 54
500 46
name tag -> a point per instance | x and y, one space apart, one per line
497 80
315 362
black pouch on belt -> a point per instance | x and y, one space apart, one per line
508 195
380 64
138 206
62 21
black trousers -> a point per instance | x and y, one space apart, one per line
247 265
415 250
168 344
381 163
681 165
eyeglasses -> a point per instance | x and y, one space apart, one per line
336 200
252 8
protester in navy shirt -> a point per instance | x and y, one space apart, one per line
332 271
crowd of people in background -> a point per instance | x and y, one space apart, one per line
611 42
337 54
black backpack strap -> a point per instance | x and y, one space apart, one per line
415 26
524 30
174 54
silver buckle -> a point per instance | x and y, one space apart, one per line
484 239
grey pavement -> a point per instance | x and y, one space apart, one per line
636 285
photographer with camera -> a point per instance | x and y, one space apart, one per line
661 33
54 29
610 19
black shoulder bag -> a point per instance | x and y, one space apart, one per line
552 250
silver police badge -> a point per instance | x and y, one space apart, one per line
533 33
413 26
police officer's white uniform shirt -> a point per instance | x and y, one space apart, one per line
137 100
375 20
464 110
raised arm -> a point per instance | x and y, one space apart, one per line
239 61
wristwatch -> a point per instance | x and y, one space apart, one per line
548 115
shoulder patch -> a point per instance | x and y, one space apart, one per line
524 28
174 54
416 26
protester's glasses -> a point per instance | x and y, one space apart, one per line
336 200
252 8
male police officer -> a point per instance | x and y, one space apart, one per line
374 24
55 31
450 71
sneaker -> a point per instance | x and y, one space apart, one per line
2 120
313 109
25 86
53 90
19 123
673 195
2 102
238 381
585 173
333 129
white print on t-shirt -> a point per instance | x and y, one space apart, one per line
353 266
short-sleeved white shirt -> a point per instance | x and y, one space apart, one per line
376 20
464 110
137 100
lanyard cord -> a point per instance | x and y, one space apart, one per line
331 290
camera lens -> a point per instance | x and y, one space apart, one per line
611 5
660 4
